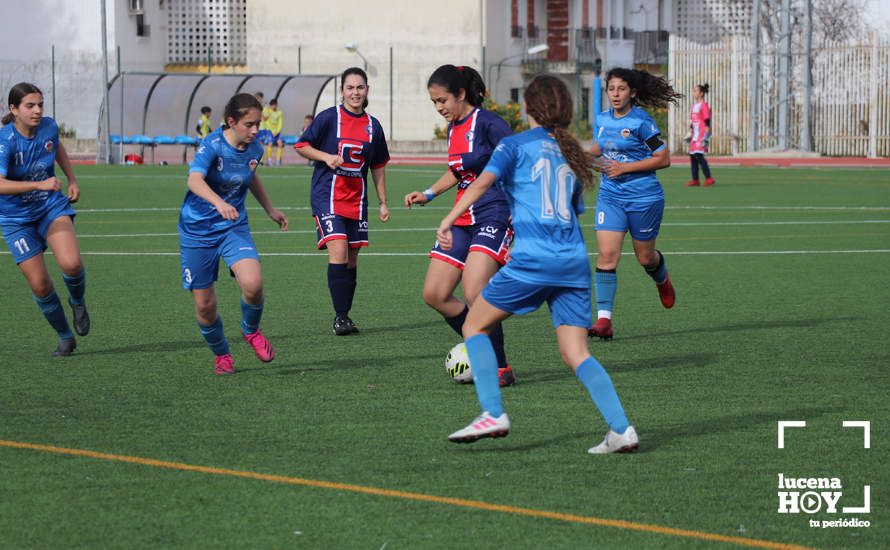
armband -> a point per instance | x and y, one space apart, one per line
429 194
654 143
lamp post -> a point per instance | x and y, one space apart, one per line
353 47
536 49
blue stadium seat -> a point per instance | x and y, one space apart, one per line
289 140
140 139
117 140
183 139
164 140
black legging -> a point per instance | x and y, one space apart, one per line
696 159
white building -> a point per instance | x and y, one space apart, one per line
399 41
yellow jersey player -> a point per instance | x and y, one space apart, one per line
274 124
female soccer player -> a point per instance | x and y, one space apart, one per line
482 235
345 141
274 124
213 225
539 172
630 196
34 213
700 126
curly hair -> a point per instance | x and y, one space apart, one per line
652 91
548 101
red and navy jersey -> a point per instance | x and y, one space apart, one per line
360 141
470 144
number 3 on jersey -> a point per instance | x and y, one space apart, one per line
556 192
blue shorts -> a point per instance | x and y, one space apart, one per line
492 238
331 227
26 240
264 136
568 306
642 219
200 264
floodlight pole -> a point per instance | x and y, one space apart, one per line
754 82
806 134
105 84
784 74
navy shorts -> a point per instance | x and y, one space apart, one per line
332 227
568 306
26 240
491 238
642 219
200 264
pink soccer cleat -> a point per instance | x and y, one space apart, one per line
602 329
224 364
261 346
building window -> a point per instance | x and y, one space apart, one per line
585 103
202 29
514 95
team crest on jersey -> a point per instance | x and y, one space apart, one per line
370 129
48 145
253 164
470 135
625 133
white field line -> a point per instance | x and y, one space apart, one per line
432 229
448 207
321 254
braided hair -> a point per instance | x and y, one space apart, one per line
548 101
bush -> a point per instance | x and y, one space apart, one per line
510 111
67 132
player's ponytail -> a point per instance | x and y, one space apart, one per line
652 91
454 79
16 94
239 105
356 71
548 101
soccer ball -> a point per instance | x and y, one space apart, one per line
457 364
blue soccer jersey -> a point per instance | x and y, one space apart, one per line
470 144
229 172
29 159
545 198
359 139
623 139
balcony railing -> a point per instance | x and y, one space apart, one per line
582 54
651 47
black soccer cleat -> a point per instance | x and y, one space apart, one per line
66 347
81 318
343 326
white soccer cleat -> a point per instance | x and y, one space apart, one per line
485 425
627 442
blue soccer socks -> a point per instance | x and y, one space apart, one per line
341 288
250 316
76 286
605 282
658 273
599 385
215 337
52 310
485 373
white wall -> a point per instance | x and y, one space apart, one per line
30 31
422 39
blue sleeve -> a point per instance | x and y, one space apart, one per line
578 199
498 129
502 161
6 153
647 128
381 151
316 131
204 158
